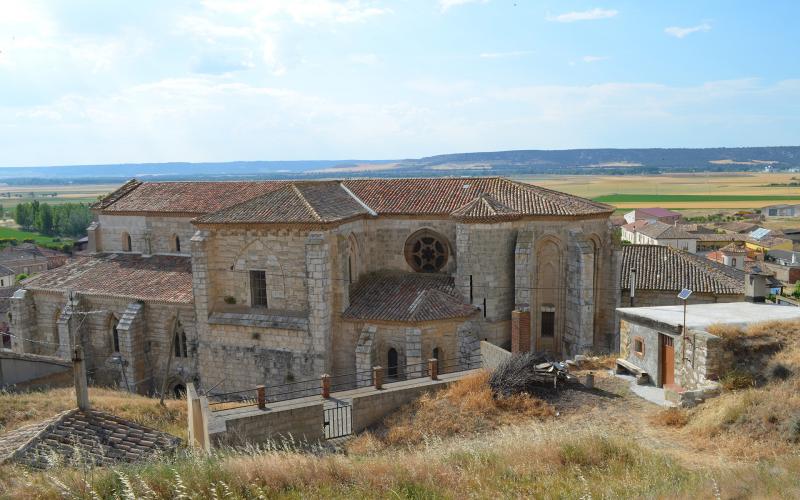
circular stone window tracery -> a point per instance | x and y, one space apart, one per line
426 251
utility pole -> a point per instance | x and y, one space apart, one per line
170 353
79 374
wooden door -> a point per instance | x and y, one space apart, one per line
667 360
546 340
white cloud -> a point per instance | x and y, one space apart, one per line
504 55
585 15
679 32
591 59
366 59
448 4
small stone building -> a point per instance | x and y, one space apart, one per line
652 339
282 281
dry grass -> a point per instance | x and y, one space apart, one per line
465 407
602 362
671 417
18 409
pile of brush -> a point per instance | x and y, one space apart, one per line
528 373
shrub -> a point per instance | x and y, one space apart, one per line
792 429
229 299
736 380
671 417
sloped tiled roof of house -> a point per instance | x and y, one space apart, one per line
439 196
165 278
302 202
667 269
654 212
739 227
722 237
485 208
661 230
93 437
406 297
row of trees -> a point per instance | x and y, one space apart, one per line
66 219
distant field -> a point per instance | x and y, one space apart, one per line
688 198
678 191
7 232
11 196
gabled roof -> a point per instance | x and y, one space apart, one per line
661 230
91 436
474 198
654 212
406 297
733 248
301 202
164 278
485 208
4 271
664 268
739 227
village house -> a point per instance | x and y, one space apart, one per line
780 211
29 258
654 214
644 232
236 284
658 273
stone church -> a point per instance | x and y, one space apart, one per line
236 284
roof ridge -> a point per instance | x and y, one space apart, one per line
305 202
50 425
358 200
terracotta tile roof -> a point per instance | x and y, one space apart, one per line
425 196
163 278
406 297
654 212
739 227
660 230
733 248
301 202
721 237
196 198
4 271
636 225
89 436
667 269
485 208
443 195
697 228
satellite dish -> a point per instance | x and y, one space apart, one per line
684 294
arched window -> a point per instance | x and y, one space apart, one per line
426 251
437 355
352 259
127 244
176 243
181 347
114 326
392 363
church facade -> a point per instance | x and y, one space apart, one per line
237 284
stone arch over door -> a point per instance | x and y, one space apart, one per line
257 256
549 282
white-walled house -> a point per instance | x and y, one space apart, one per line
659 233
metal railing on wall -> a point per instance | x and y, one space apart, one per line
323 386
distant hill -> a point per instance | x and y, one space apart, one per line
570 161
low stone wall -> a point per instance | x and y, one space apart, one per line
30 371
492 355
370 408
301 419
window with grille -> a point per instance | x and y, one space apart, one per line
258 288
181 346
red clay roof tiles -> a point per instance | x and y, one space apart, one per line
164 278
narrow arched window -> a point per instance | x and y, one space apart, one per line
392 362
181 346
127 244
115 333
176 243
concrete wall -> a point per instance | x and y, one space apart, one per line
302 421
32 371
492 356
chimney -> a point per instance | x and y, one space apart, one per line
755 288
79 372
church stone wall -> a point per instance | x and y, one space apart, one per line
149 234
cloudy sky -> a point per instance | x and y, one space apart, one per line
108 81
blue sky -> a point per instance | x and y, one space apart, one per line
111 81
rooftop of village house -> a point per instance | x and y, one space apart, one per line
668 269
308 201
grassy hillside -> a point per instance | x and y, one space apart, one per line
19 235
463 443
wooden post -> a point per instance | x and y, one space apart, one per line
377 377
326 386
261 392
433 368
79 373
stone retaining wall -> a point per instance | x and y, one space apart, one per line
492 355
